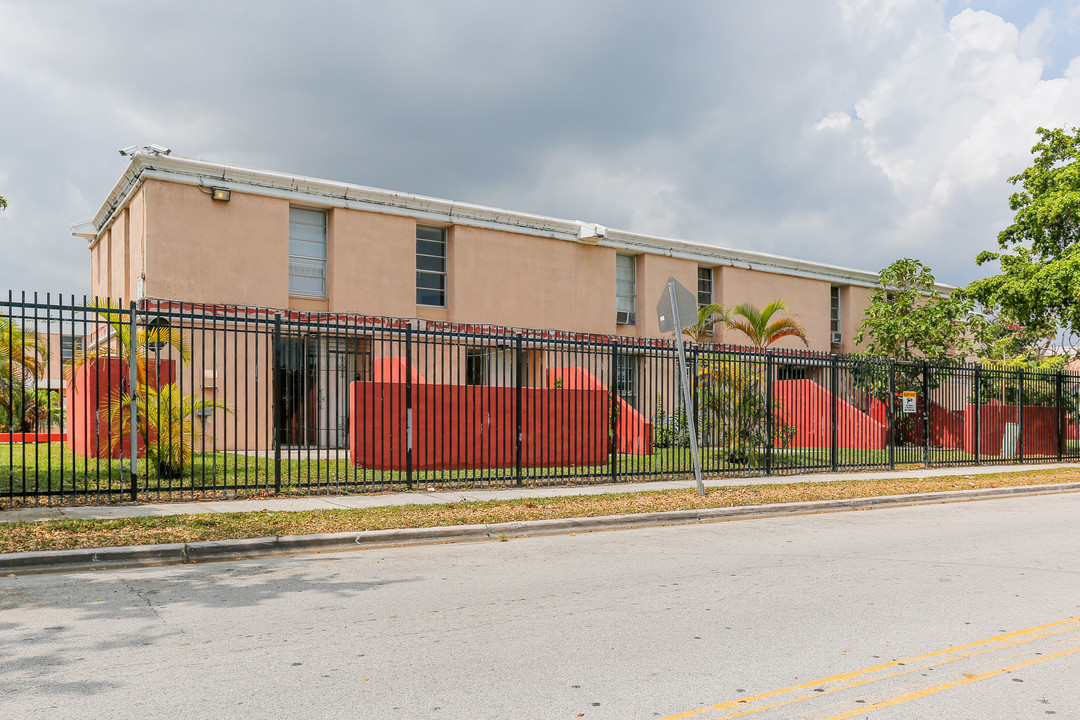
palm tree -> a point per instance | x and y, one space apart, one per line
166 423
23 358
117 343
759 326
709 316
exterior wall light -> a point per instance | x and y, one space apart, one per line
222 194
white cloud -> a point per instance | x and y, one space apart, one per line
1036 34
850 131
834 121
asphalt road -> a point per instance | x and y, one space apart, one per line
966 610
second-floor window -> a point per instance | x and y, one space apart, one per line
704 286
307 252
625 289
430 266
834 310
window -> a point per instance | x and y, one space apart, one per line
626 378
496 366
70 346
430 266
625 289
307 252
790 372
476 366
704 286
834 310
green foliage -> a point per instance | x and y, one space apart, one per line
759 326
1039 283
734 402
910 319
3 203
120 344
167 424
167 421
23 358
709 316
670 430
1004 341
32 410
1000 380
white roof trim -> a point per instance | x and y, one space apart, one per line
333 194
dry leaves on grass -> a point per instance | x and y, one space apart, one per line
69 534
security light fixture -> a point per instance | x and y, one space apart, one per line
222 194
150 149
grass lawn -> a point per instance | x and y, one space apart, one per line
68 534
51 470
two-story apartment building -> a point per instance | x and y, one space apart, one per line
185 229
179 229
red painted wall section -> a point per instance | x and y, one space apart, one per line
879 412
468 426
634 429
808 406
393 369
946 426
87 398
1039 430
19 438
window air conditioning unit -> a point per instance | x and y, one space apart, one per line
836 338
623 317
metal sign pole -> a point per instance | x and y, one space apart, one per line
685 382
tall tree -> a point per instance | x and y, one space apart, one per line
909 318
760 327
1038 286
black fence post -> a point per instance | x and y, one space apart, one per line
769 442
408 407
891 369
1059 411
834 382
133 387
613 410
279 405
926 412
520 365
693 362
1020 411
978 414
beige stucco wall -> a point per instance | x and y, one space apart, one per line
371 263
510 279
215 252
854 302
808 299
194 249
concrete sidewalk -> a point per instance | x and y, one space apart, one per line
420 497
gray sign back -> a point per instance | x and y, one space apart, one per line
687 306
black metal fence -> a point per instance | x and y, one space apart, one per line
165 399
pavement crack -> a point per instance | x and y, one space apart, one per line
137 593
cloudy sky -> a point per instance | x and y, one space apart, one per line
846 131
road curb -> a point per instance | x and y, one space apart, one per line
114 558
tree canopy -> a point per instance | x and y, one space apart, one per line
910 318
1038 286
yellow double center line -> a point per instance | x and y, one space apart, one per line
892 683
